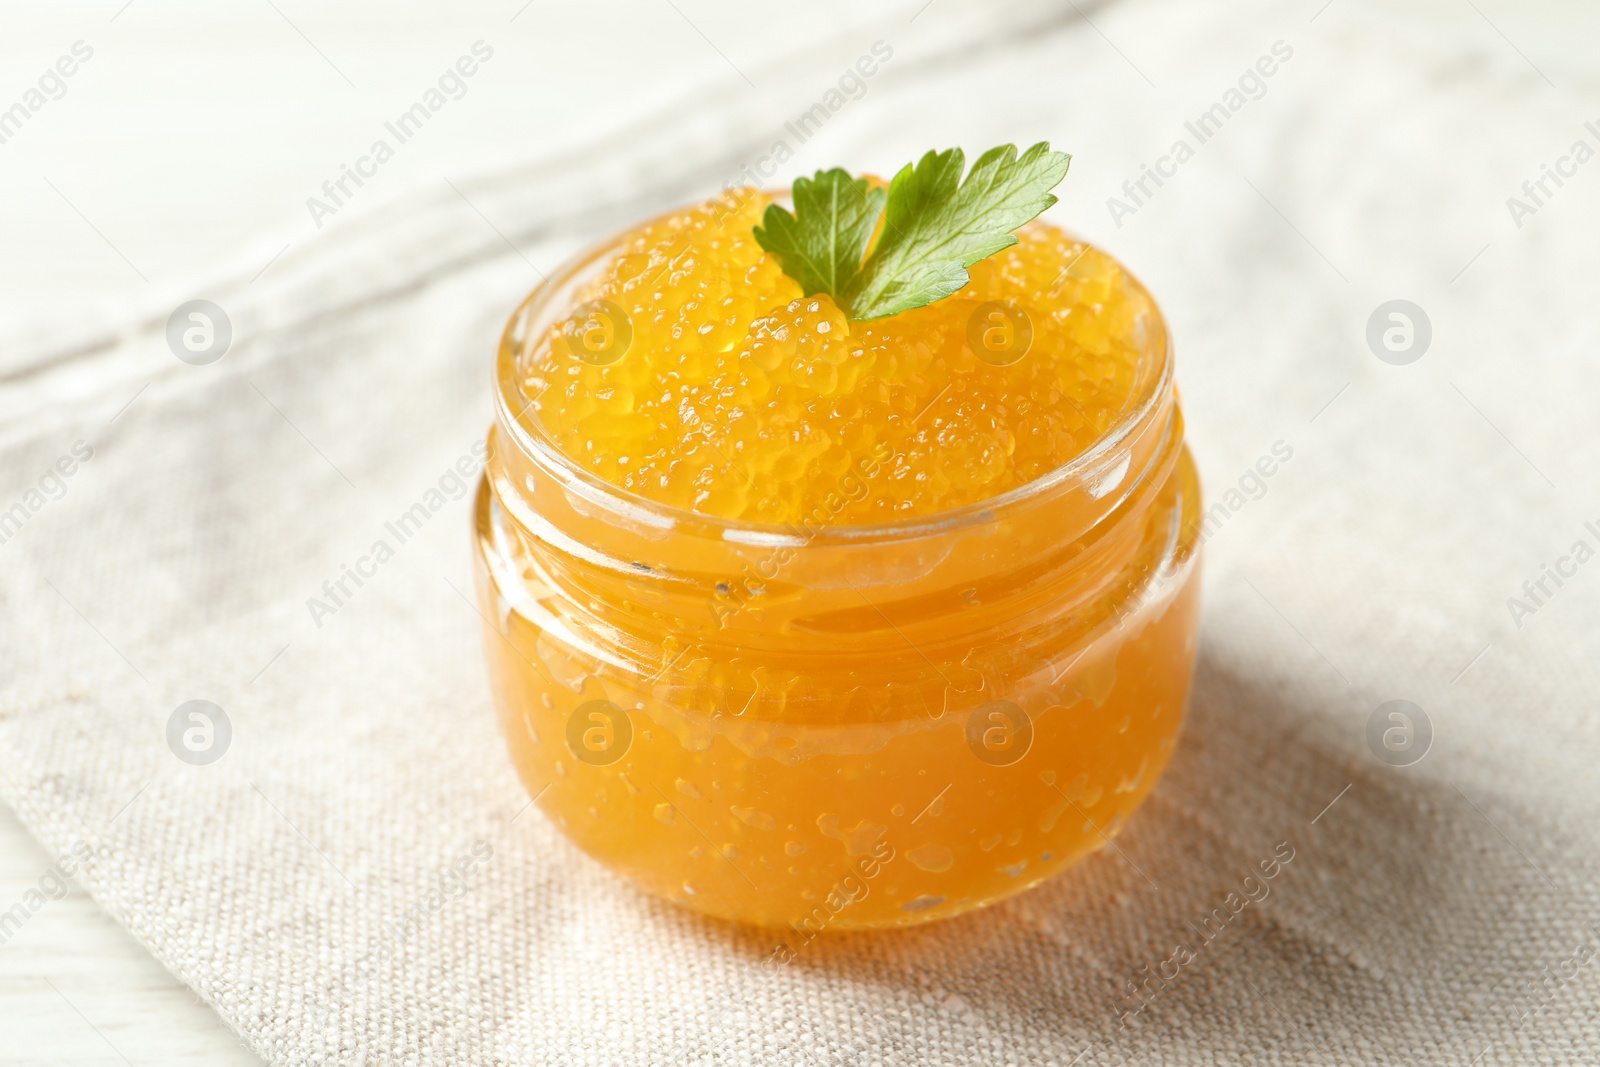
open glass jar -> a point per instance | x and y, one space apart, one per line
835 726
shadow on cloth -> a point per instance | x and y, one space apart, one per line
1399 897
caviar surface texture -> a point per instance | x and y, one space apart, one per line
725 391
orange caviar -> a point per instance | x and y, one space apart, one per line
832 625
739 397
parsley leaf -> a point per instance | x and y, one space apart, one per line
935 226
822 244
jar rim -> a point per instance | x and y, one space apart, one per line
538 311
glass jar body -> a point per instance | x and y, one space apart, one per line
821 728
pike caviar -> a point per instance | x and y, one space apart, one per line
740 397
824 625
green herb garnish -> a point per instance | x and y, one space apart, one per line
935 226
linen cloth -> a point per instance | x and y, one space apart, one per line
360 878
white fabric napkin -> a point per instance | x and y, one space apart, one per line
359 879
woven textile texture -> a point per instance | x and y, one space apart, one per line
1439 913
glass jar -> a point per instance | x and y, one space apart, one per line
839 727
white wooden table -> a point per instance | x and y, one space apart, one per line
76 988
222 120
